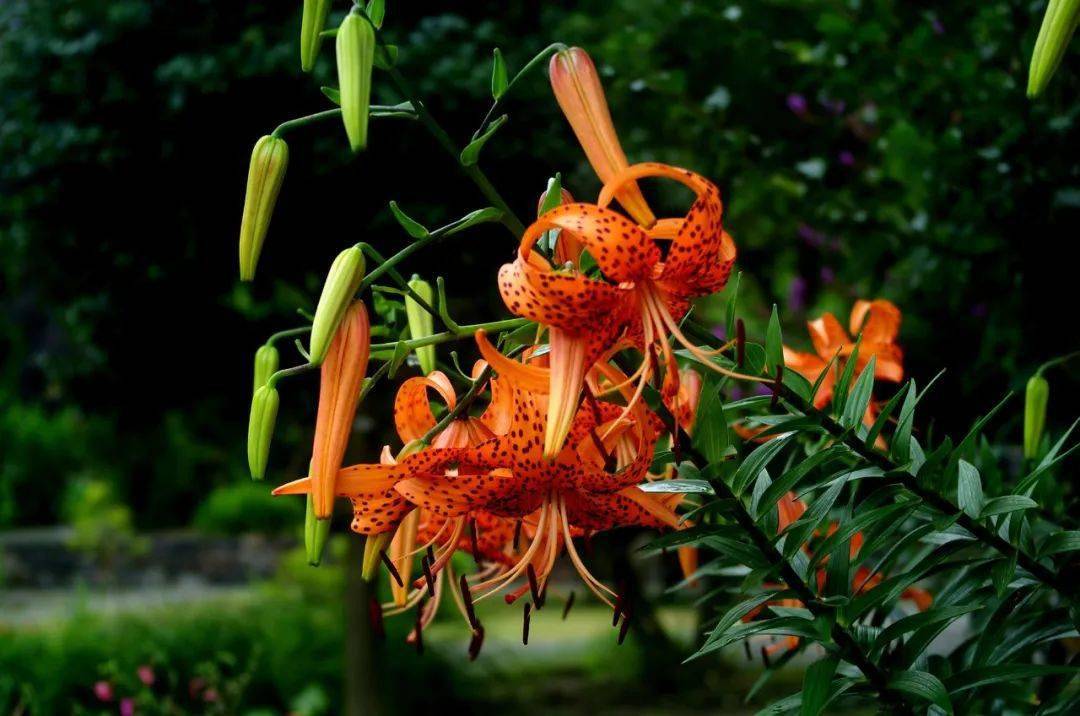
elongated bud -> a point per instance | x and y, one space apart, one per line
1035 400
264 408
373 549
266 364
342 377
421 323
266 172
311 27
1058 25
316 532
344 278
581 96
355 55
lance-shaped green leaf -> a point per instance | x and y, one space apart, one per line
816 683
847 528
756 461
471 153
967 445
987 675
412 227
924 686
355 56
700 487
969 492
1060 542
499 80
729 321
883 417
486 215
711 437
840 391
789 479
799 531
421 323
376 12
1005 505
908 624
780 626
859 398
901 444
266 174
774 343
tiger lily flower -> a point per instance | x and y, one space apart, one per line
644 297
879 323
341 379
580 95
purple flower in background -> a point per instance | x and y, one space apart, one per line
797 103
735 392
827 275
127 707
811 236
720 331
103 690
146 674
762 389
979 310
797 294
836 106
936 24
846 158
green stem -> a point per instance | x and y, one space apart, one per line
509 218
289 372
288 333
460 333
534 62
304 121
399 279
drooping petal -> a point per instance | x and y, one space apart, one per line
568 366
581 97
828 336
376 507
629 507
564 298
527 377
412 409
889 363
622 249
498 491
878 320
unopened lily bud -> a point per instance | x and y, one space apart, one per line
340 382
266 172
374 546
264 408
344 278
421 323
311 27
266 364
581 96
1035 400
1058 25
316 532
355 56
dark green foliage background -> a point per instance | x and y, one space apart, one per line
125 338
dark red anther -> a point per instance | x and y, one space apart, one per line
765 657
534 587
740 342
466 598
569 603
476 642
525 624
777 382
428 576
624 628
517 535
618 610
475 537
391 568
746 648
375 617
588 544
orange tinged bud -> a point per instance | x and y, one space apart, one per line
581 96
342 377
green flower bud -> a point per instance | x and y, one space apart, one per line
421 323
1058 25
266 172
264 407
355 55
266 364
1035 400
344 278
311 25
316 532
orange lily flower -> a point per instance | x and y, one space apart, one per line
879 323
341 379
645 296
581 97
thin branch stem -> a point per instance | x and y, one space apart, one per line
534 62
460 333
288 333
399 279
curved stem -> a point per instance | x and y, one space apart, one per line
534 62
291 124
462 332
288 333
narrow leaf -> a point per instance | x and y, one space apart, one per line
677 485
412 227
859 399
499 81
471 153
969 492
774 343
1005 505
922 685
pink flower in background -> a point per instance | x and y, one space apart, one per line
211 695
196 686
146 674
127 707
847 158
103 690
